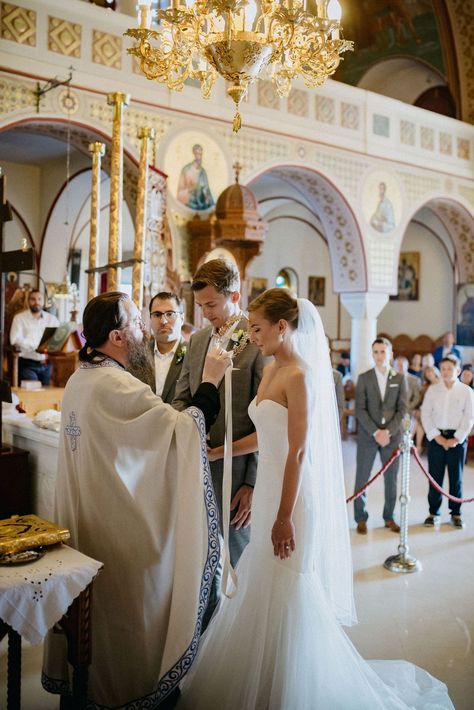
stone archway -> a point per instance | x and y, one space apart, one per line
341 229
80 136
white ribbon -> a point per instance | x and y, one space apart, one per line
227 569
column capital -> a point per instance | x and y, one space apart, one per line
146 132
364 305
97 147
118 97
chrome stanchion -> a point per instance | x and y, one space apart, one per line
403 562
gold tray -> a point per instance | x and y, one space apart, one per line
25 532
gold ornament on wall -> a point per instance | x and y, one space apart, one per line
241 41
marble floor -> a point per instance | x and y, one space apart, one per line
426 617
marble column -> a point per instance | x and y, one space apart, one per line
364 309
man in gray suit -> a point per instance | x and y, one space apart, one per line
167 344
380 407
216 287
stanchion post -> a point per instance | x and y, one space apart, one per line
403 562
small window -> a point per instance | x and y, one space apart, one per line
287 278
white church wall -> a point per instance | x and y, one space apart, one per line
23 190
292 244
432 314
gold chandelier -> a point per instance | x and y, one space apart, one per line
239 40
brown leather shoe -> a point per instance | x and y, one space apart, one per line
362 527
392 525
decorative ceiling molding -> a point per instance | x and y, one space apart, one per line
342 231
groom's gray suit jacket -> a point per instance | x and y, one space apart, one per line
245 381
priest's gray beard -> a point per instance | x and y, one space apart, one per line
140 359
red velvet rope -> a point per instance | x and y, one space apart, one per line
396 453
436 485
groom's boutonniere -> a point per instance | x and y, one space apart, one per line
180 353
241 339
391 373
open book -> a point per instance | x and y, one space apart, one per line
53 339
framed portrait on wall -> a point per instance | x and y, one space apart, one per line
316 290
408 277
465 315
256 286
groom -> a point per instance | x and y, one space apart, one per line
216 287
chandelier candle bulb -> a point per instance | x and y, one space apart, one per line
144 13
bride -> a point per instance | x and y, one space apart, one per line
278 644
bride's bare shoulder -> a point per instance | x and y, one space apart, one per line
297 373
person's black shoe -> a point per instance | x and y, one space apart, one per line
457 521
431 521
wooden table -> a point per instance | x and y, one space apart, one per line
34 401
76 624
30 614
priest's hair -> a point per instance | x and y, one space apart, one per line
104 313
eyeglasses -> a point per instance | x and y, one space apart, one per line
169 315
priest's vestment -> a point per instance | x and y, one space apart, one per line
134 489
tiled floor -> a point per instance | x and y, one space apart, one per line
426 617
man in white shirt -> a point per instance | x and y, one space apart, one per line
447 415
25 333
380 408
169 348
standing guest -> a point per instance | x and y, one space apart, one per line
416 366
344 364
447 415
132 483
168 346
430 377
413 383
427 361
216 287
380 407
447 348
25 333
467 376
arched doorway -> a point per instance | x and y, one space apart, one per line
312 231
440 233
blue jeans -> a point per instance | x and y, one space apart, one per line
34 370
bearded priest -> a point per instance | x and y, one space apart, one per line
134 489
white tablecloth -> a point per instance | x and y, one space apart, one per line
34 596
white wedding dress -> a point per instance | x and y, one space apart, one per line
277 644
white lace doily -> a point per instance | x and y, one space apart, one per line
34 596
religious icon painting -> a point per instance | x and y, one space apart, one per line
317 290
382 201
465 315
408 277
197 169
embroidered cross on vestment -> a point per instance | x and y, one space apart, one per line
73 430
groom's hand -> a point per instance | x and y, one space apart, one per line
243 502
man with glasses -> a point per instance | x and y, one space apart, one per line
168 346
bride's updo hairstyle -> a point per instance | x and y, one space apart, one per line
277 304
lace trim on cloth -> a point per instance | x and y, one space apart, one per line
171 679
107 362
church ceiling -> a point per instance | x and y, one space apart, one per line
381 29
